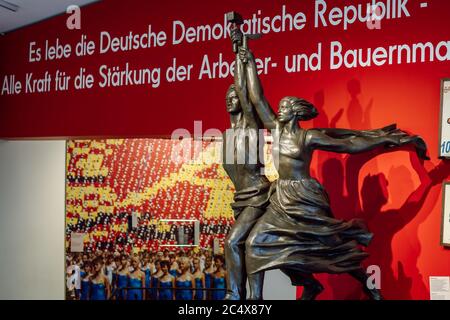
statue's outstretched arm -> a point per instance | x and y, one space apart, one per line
265 112
315 139
339 133
391 130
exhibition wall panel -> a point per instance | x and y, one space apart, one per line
32 219
357 75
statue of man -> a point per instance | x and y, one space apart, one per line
242 146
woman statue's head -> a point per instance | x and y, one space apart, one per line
232 100
296 108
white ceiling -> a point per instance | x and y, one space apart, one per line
31 11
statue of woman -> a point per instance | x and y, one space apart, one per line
298 233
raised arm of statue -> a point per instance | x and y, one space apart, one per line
240 83
265 112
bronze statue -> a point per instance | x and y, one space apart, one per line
252 187
298 233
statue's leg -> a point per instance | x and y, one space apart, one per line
362 277
235 253
256 284
311 286
255 280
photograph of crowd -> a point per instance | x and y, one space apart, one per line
193 274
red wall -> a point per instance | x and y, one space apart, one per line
404 199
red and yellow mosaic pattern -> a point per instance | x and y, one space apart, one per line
109 180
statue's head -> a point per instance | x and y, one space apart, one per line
296 108
232 100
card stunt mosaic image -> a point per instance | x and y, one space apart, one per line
128 200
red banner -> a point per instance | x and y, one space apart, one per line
146 68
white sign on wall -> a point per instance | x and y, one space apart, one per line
439 288
76 242
445 228
444 146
